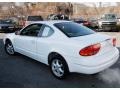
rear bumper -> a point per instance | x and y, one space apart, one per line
74 67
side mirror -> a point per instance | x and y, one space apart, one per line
17 32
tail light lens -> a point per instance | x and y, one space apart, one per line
90 50
114 41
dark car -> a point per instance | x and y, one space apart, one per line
7 25
32 19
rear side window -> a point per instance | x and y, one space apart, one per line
72 29
47 31
35 18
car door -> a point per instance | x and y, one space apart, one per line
43 43
25 43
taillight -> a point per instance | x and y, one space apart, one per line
114 41
90 50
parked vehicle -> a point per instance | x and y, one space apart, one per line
118 19
108 22
31 19
93 23
58 17
52 17
7 25
65 46
82 21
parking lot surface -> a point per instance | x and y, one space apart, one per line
21 71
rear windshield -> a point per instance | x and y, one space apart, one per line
35 18
72 29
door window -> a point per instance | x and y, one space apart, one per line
31 30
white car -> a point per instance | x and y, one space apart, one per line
65 46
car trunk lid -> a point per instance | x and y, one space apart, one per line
106 51
104 40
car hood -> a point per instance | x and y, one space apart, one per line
91 39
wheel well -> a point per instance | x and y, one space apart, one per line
52 54
7 40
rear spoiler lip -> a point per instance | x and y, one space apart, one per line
108 39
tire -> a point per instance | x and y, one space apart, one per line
9 48
59 67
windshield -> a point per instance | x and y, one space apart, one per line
109 16
72 29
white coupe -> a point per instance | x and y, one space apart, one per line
65 46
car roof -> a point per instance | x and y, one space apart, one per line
51 21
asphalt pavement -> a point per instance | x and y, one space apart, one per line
20 71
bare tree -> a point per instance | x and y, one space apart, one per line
65 8
96 8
